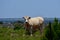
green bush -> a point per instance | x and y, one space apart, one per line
17 26
52 32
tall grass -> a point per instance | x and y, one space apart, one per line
10 34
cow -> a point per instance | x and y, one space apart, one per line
33 23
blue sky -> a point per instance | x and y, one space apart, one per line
20 8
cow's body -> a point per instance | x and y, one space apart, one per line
33 23
36 21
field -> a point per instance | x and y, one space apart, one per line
10 34
51 32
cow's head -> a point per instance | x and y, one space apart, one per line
26 18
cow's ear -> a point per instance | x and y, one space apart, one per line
22 17
29 17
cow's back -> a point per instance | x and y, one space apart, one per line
35 21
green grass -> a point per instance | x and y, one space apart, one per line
10 34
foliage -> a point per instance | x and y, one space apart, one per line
52 32
17 26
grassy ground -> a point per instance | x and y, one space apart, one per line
10 34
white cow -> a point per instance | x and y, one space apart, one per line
35 22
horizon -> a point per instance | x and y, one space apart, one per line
31 17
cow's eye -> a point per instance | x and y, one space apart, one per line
25 19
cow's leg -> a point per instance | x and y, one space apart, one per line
31 30
24 33
41 28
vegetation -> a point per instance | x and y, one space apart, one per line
51 32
